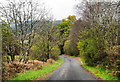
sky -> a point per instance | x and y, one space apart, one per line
59 8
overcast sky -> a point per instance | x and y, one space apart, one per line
59 8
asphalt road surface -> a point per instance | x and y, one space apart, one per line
70 70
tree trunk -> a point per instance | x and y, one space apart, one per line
48 55
8 59
12 58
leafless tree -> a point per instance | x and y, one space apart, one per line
102 13
26 16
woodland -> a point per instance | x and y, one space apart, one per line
29 34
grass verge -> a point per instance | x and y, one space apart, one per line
30 75
96 71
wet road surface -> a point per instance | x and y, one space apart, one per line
70 70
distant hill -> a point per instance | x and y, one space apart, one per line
58 21
12 25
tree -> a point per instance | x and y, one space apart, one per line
10 47
65 27
74 36
46 41
26 17
99 39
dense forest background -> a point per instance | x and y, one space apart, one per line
95 36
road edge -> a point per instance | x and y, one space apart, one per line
92 74
46 75
95 76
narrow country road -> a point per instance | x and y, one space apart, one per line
70 70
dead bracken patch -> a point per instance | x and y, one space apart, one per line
14 68
50 61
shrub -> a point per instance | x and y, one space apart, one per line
90 52
67 47
36 53
70 48
55 52
114 60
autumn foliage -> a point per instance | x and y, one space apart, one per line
95 37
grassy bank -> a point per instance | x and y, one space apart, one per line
100 72
30 75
